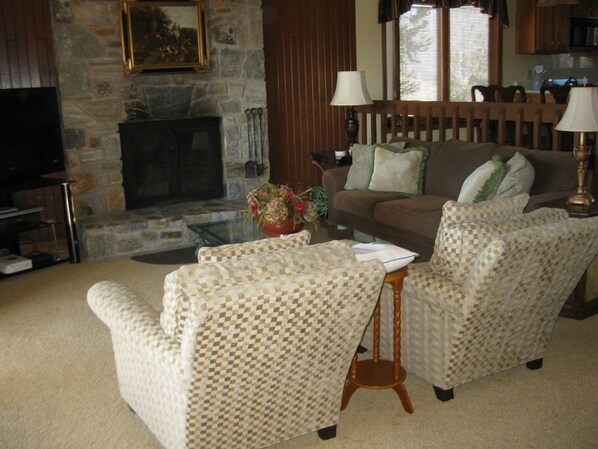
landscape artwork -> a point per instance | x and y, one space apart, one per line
163 36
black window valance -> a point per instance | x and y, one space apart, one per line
391 9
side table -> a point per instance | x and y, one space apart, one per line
579 306
382 374
327 159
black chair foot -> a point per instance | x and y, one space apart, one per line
327 433
534 364
361 349
444 395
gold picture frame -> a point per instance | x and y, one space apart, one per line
164 36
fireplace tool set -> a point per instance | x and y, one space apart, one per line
254 167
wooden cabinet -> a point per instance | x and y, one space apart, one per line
542 29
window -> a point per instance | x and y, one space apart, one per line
418 54
468 51
420 48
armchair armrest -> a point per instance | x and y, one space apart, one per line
125 313
423 285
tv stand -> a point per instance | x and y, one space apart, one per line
13 220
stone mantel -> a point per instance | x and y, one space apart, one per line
97 95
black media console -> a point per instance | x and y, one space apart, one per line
17 218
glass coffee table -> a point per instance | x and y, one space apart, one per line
240 230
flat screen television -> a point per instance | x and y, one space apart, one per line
30 134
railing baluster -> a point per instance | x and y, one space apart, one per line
410 118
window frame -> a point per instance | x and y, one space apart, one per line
443 27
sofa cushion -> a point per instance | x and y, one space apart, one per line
470 239
554 171
482 184
362 203
190 282
453 162
518 179
236 250
399 171
420 214
362 164
447 250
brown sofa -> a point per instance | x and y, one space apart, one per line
412 222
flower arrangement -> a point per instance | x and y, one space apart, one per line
274 204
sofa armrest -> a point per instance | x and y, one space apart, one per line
334 181
125 313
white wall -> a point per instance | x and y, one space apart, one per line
369 45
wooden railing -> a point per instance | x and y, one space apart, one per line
521 124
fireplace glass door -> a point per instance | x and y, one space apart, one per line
170 161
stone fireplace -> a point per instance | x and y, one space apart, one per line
97 96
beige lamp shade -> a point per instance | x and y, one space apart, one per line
582 111
351 90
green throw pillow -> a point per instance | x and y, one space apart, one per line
360 172
483 183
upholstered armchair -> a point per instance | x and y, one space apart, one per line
251 349
488 299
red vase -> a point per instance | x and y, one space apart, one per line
277 229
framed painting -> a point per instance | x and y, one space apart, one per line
164 36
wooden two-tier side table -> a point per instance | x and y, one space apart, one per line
381 374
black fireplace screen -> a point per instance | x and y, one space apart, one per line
170 161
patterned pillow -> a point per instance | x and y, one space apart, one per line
445 258
190 282
482 184
474 237
399 170
236 250
362 164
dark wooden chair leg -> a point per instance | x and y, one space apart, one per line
534 364
444 395
327 433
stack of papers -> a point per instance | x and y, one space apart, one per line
393 257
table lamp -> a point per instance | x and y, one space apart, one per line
581 116
351 90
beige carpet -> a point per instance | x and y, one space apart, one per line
58 387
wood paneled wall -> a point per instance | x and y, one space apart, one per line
27 60
26 48
306 42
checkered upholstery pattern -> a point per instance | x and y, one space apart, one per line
447 246
471 238
503 313
235 250
192 281
257 363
